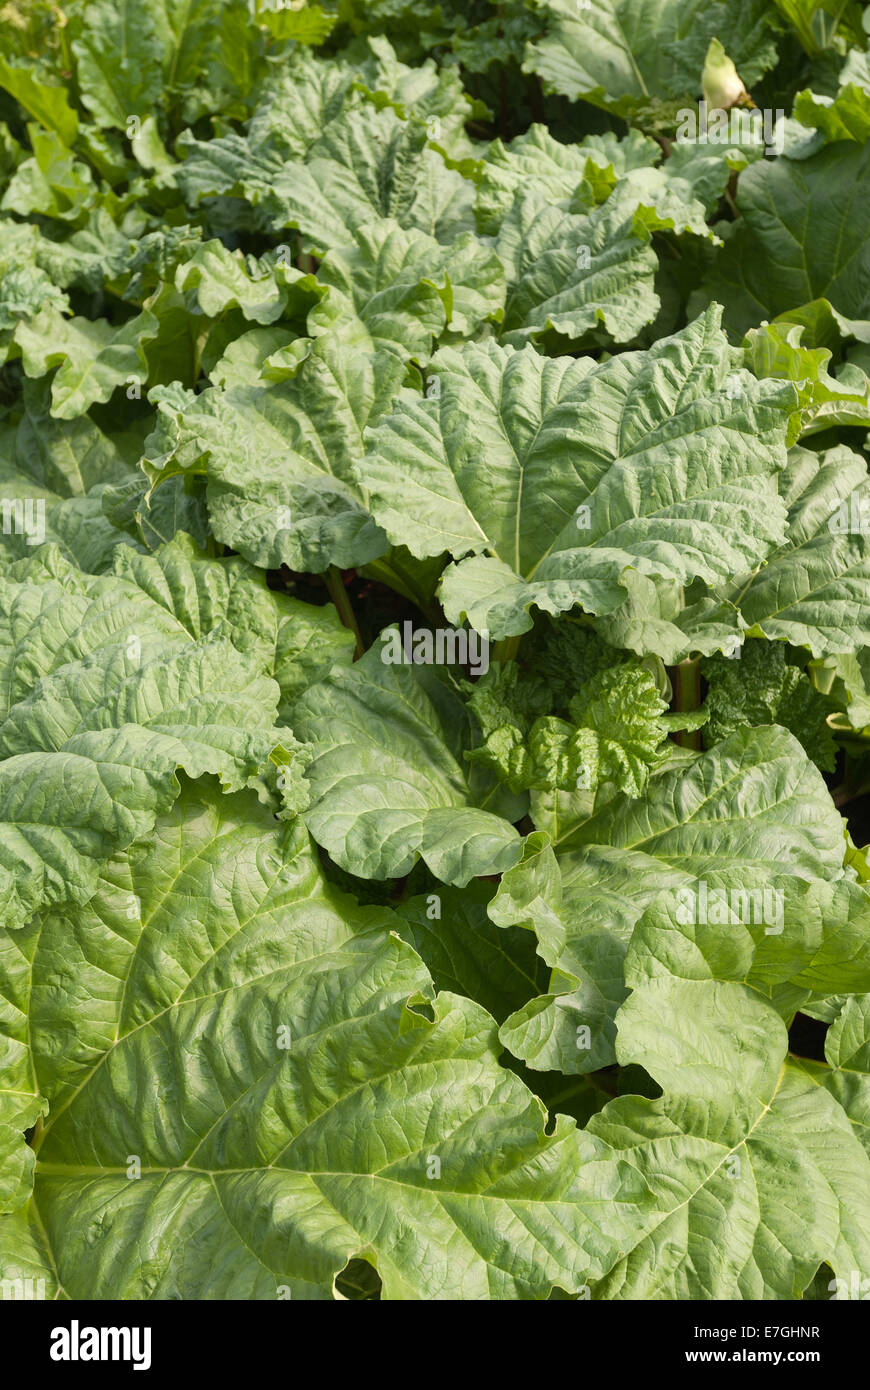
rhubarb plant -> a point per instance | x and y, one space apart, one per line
434 650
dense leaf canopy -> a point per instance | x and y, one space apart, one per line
434 649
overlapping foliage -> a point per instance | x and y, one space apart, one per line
330 967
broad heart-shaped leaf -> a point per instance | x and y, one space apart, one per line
389 783
109 684
401 288
751 808
636 56
571 273
756 1172
93 357
297 99
813 591
256 1041
793 941
48 104
608 486
367 164
773 261
278 458
536 159
52 475
118 61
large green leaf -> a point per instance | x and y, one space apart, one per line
296 643
776 350
401 289
256 1086
214 280
813 591
365 165
757 1175
843 117
311 25
847 1076
25 287
52 183
570 483
536 160
640 57
426 92
48 104
278 320
467 953
187 31
278 459
707 168
52 476
119 58
803 234
781 818
569 274
388 784
795 942
109 684
750 809
297 100
93 358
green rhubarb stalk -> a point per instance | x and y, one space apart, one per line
686 682
340 597
506 649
